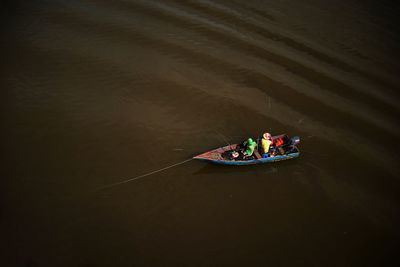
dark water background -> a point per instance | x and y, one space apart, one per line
95 92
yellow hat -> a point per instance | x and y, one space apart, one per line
267 136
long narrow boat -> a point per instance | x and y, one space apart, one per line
217 155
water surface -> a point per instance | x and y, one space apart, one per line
96 92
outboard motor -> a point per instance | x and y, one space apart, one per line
294 141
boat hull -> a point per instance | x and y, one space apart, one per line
250 162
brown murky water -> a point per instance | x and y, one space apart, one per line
96 92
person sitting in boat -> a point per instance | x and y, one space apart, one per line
278 145
250 145
266 142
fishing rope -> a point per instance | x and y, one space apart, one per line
143 175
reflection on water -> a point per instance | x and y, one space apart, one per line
96 92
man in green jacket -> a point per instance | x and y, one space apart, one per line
250 146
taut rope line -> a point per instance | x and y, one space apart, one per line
143 175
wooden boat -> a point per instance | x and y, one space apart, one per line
218 155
